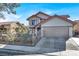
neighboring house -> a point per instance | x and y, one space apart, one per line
56 26
76 27
11 27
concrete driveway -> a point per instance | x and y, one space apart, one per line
51 44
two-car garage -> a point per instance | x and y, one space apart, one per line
51 32
56 27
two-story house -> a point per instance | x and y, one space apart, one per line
56 26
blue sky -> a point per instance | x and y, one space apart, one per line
28 9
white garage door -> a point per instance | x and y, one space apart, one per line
55 32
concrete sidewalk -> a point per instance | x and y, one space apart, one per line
64 53
20 48
34 50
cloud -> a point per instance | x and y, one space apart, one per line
10 17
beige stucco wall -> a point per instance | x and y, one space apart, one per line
70 31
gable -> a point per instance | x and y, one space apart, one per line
57 22
34 18
42 16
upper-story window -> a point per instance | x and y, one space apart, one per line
33 22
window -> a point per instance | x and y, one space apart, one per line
33 22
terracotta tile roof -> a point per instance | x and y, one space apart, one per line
65 16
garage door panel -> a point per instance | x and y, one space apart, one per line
55 32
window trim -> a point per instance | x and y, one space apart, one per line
33 22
